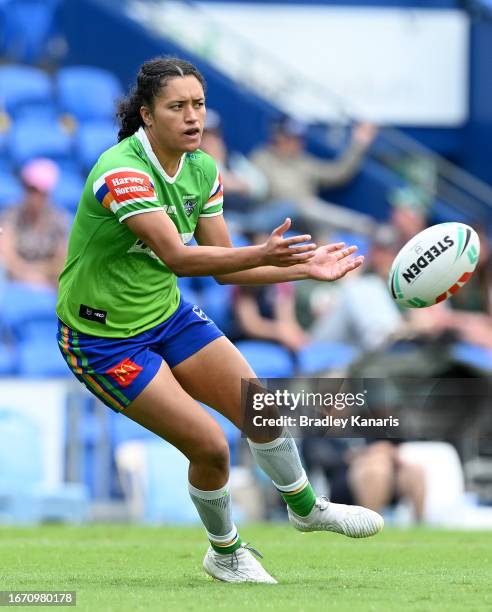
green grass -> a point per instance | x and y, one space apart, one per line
127 568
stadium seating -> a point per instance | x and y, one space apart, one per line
122 430
28 29
7 360
216 302
318 357
29 318
94 137
87 93
267 359
154 476
31 138
68 190
23 496
10 190
186 289
475 356
24 89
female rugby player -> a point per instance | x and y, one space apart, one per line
126 333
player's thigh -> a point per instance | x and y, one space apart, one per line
166 409
213 376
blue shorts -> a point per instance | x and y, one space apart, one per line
116 370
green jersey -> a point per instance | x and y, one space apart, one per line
113 284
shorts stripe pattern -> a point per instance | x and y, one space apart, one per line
79 365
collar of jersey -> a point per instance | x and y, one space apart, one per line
142 136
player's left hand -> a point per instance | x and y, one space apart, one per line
332 261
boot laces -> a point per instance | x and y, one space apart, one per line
245 546
322 503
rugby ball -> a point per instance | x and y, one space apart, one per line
434 264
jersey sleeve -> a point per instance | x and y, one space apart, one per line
126 192
213 206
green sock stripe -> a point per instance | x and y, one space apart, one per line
227 550
302 502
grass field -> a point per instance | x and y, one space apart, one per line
137 568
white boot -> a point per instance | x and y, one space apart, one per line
239 566
352 521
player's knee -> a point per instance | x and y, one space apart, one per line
213 452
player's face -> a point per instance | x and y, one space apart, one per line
178 115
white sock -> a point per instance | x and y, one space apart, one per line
280 460
214 508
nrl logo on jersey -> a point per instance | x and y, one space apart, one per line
189 204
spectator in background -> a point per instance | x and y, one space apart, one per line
409 210
243 183
372 473
476 296
33 244
295 176
267 312
348 318
471 313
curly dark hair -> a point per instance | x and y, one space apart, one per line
152 77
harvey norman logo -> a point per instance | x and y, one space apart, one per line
133 184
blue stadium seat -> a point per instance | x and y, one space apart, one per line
5 163
24 87
23 497
92 139
10 190
216 302
239 240
3 149
363 243
267 359
41 112
32 138
441 212
123 430
28 29
29 317
475 356
40 358
68 191
7 360
166 498
186 289
87 92
28 311
318 357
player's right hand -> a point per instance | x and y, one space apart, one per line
283 252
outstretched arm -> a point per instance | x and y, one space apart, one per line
328 263
159 233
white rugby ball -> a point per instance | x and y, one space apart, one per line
434 264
